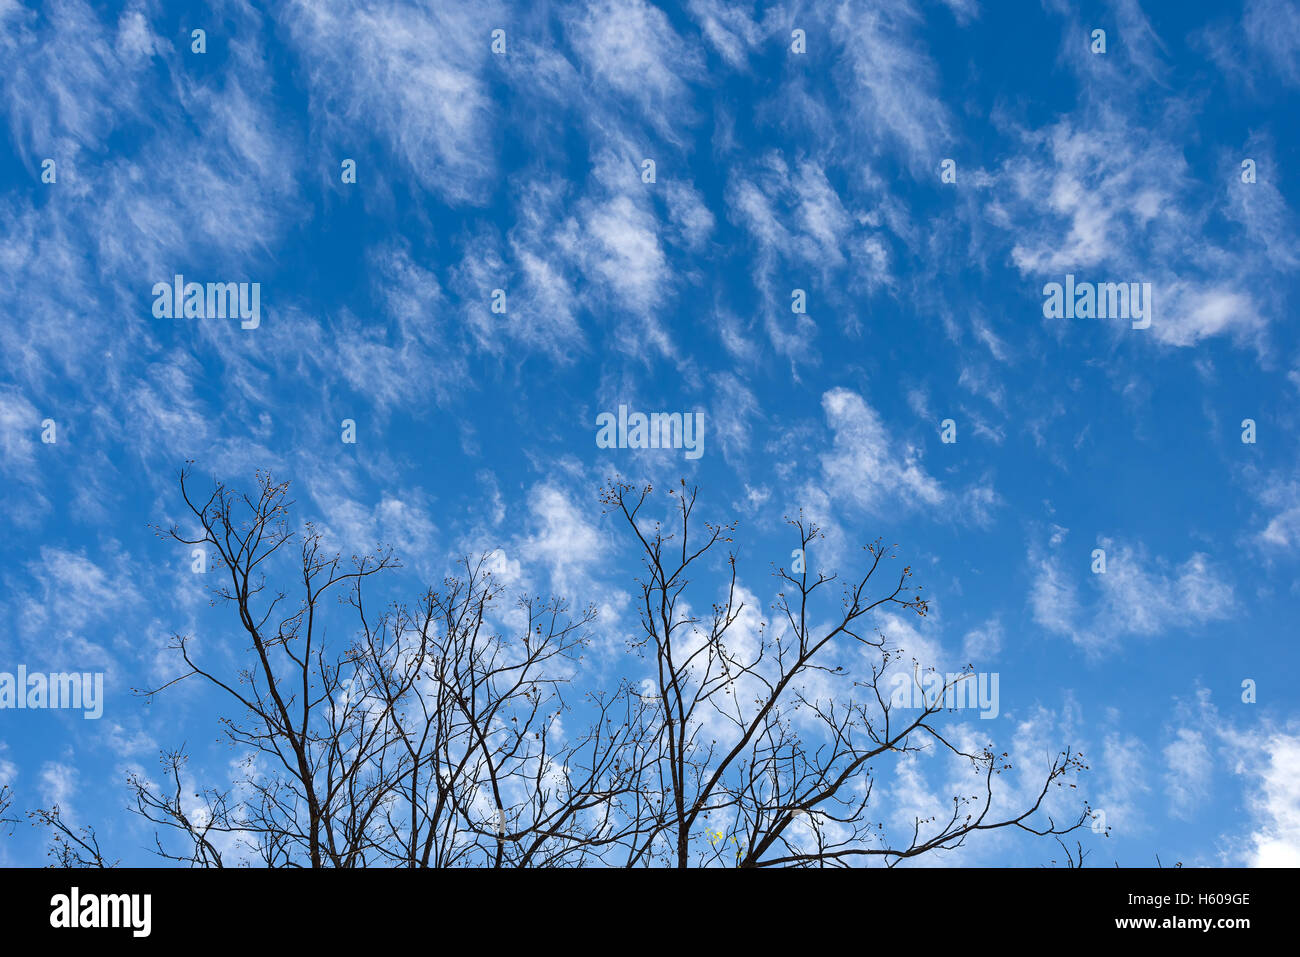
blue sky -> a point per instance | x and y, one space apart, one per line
774 171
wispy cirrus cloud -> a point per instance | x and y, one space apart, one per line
1135 596
417 76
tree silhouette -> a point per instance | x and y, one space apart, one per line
450 732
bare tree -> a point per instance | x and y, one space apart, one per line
164 805
6 802
769 732
448 732
1073 858
70 846
426 741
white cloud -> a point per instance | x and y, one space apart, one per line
1283 528
984 642
561 539
924 647
63 617
963 11
58 784
686 209
1190 312
1123 767
68 82
1134 596
1270 761
891 81
20 424
1107 194
1187 771
729 27
734 407
396 519
626 255
631 47
1273 29
867 466
1262 48
414 75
